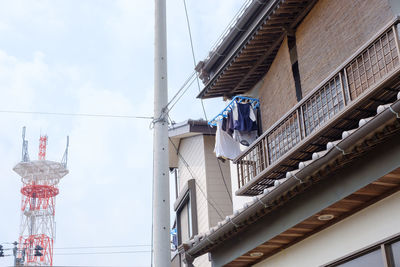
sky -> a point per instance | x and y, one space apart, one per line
96 57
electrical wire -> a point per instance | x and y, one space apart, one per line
229 26
193 177
76 114
89 247
201 100
193 74
105 252
187 88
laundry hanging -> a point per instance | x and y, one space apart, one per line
245 124
236 124
225 145
255 103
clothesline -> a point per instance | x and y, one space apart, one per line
237 99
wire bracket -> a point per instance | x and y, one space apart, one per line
341 150
264 204
234 224
394 112
162 118
297 178
209 240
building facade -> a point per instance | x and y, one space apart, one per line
324 176
202 183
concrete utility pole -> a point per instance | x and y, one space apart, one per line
161 224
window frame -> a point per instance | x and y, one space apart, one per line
187 197
383 245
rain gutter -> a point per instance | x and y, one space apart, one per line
334 149
237 30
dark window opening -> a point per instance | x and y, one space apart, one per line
295 65
297 83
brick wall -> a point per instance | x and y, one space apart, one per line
332 32
277 92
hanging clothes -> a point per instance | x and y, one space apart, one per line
245 123
229 123
225 145
245 138
244 117
259 121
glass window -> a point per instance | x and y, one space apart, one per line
183 218
396 253
373 258
189 221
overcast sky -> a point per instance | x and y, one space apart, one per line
94 56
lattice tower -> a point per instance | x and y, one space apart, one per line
40 180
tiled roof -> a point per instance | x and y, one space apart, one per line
204 242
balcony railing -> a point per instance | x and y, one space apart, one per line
351 92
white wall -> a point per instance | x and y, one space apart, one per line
238 201
362 229
192 150
216 190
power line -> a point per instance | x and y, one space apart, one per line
193 74
193 177
110 252
182 94
201 100
228 28
90 247
241 10
75 114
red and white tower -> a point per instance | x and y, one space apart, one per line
39 189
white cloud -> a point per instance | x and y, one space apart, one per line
93 57
44 13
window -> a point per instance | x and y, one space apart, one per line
383 253
396 253
373 258
184 225
185 208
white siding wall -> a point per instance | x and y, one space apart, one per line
238 201
198 151
362 229
192 150
216 190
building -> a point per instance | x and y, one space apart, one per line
324 177
202 182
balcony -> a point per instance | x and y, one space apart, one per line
371 77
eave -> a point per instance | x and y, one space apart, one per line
182 130
245 56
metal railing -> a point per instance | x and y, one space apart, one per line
378 59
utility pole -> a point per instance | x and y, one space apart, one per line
15 251
161 233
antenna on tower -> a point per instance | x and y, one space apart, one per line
40 180
25 155
65 157
42 147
